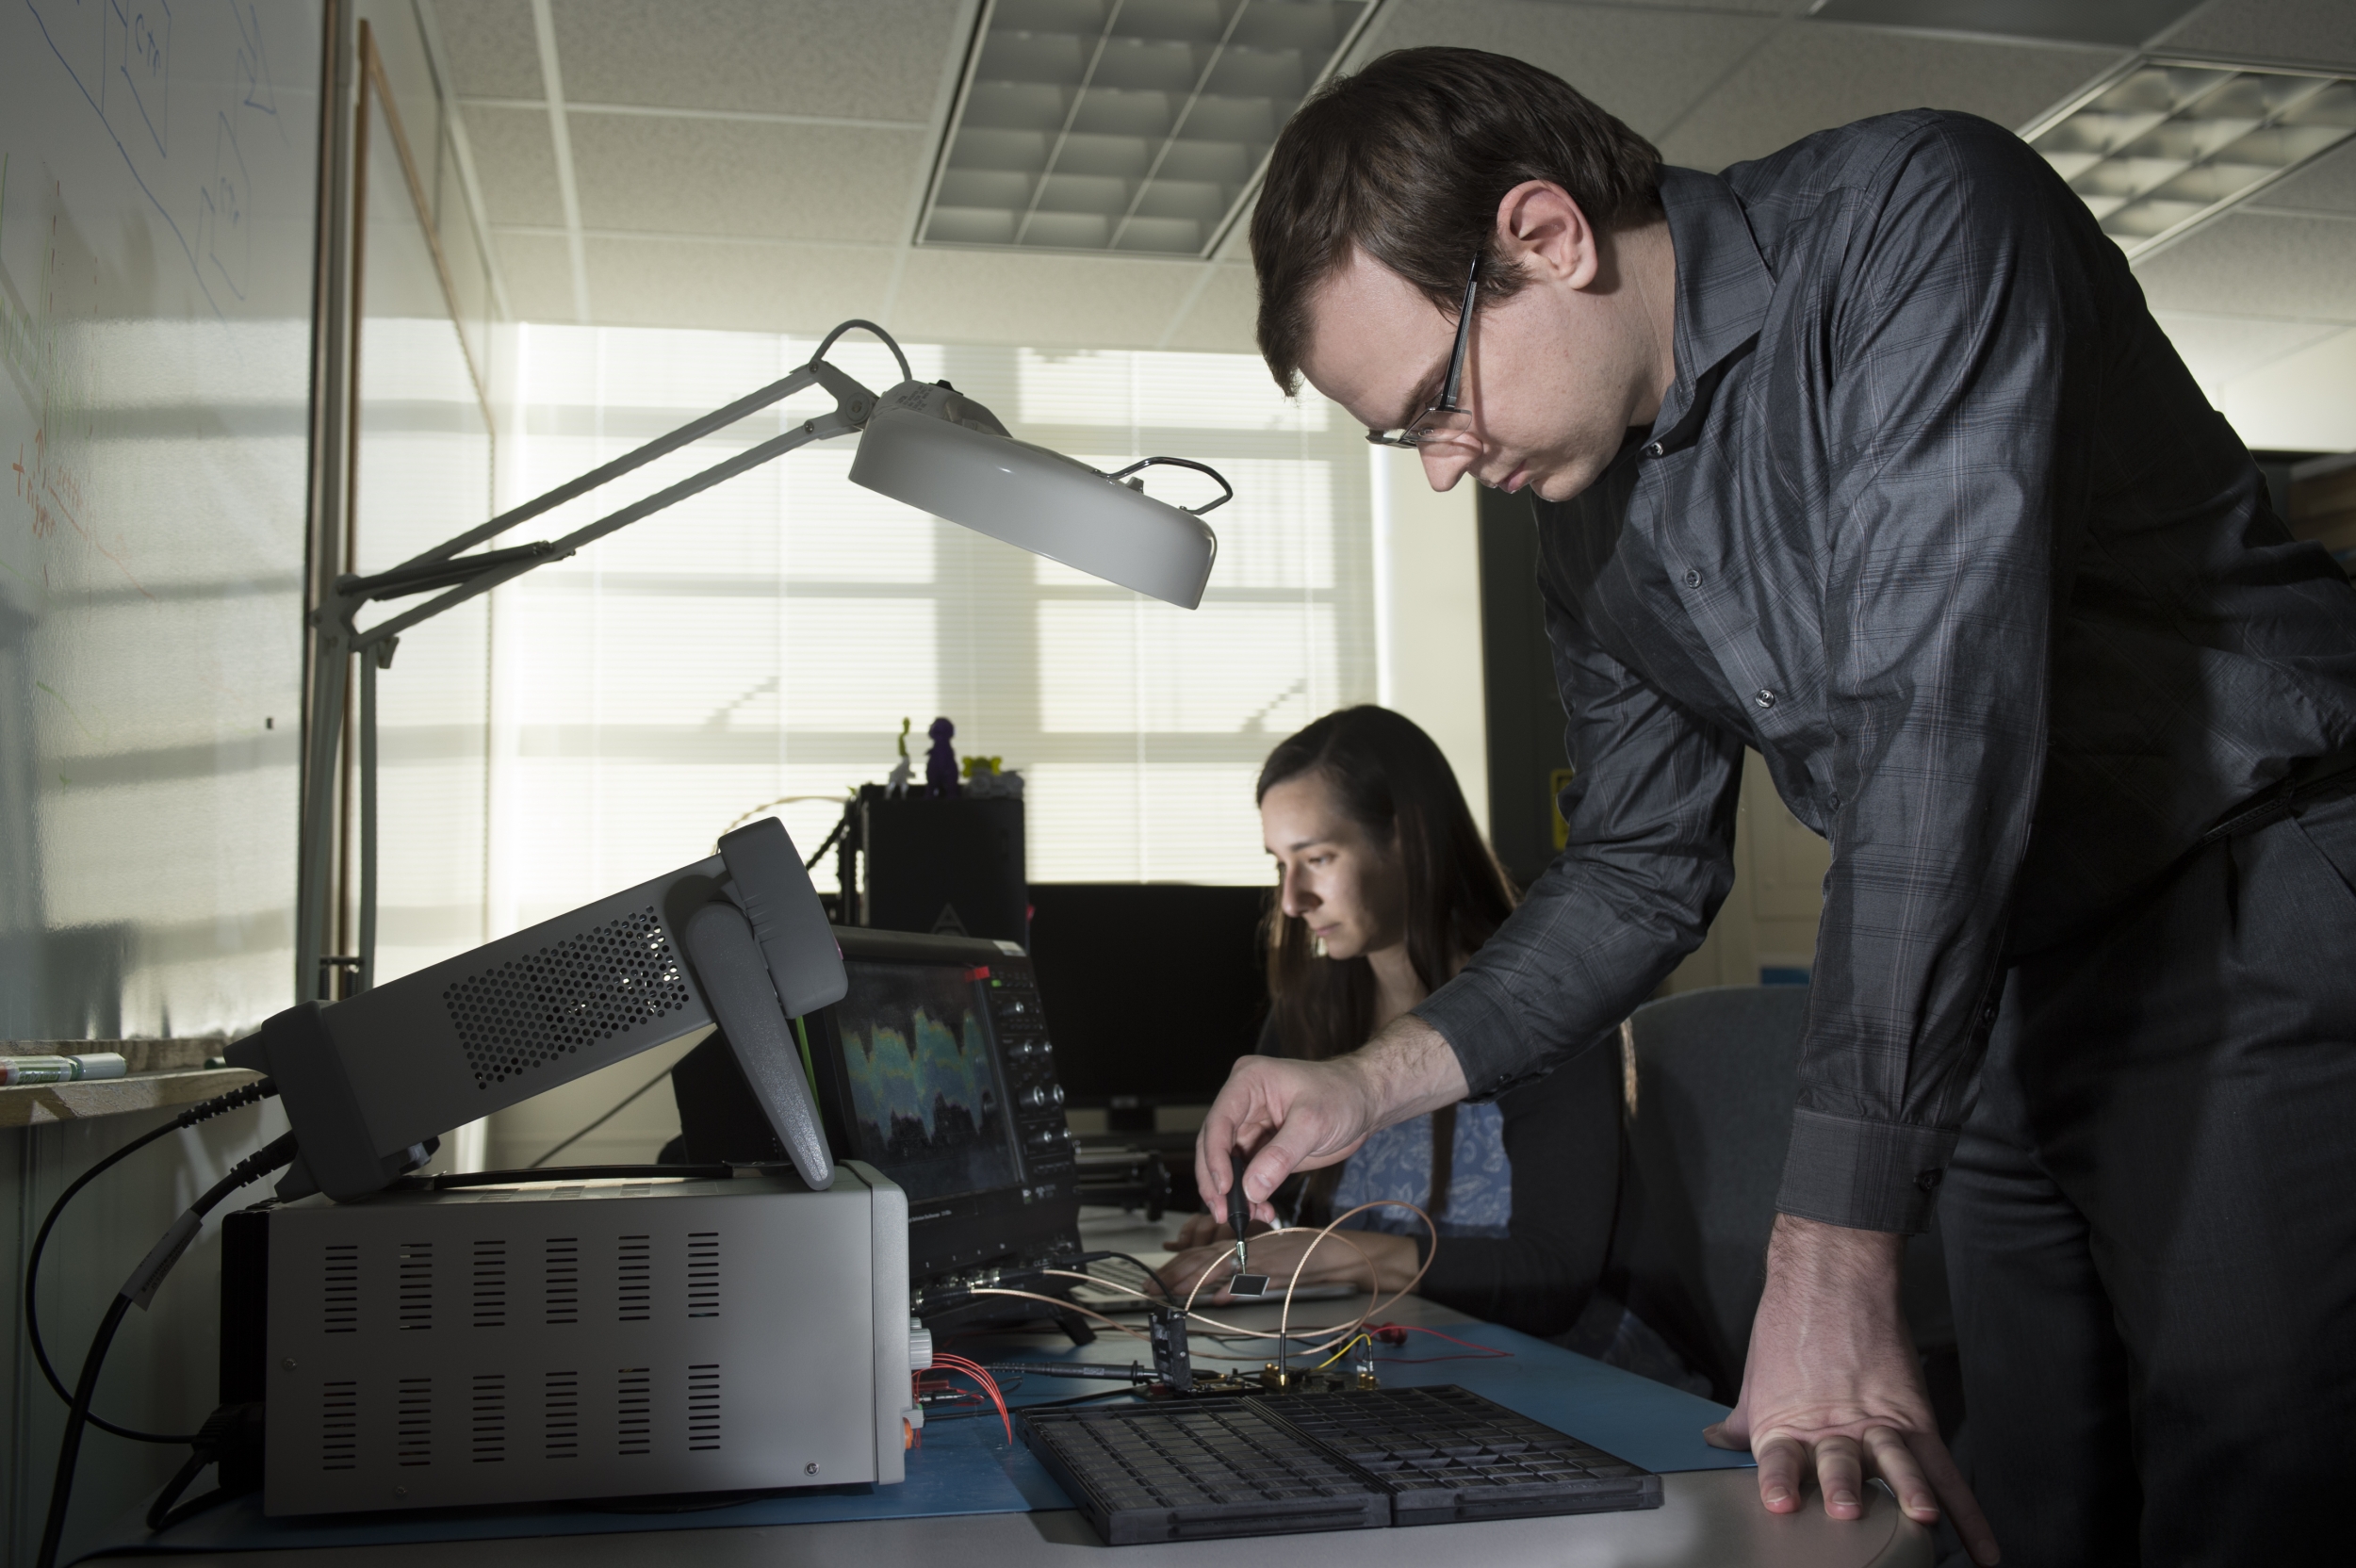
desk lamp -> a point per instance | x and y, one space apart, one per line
738 940
922 444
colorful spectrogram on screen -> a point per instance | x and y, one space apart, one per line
925 1100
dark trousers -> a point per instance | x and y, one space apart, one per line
2150 1222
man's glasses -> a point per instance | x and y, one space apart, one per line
1444 418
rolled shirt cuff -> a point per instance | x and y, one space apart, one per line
1864 1175
1486 1038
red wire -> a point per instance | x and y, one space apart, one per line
1487 1352
990 1386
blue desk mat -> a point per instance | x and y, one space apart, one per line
965 1465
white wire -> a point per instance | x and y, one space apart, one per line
1374 1284
1284 1320
1058 1301
1374 1287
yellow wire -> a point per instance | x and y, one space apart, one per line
1338 1354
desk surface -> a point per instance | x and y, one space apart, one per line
1707 1516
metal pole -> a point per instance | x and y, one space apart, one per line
369 659
328 667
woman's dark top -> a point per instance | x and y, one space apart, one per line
1561 1140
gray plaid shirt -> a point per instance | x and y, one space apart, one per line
1936 520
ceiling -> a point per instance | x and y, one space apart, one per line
762 164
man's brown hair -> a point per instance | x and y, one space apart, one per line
1407 161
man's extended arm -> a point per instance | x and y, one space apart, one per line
1302 1115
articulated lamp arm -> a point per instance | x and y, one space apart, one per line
925 445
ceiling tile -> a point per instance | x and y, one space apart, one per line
1041 302
2217 349
493 52
537 269
2327 185
2320 31
684 283
1223 319
1644 66
2255 264
1757 8
1810 76
2125 22
514 162
864 60
654 174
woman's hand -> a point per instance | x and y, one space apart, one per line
1345 1257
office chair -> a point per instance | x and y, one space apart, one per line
1717 1074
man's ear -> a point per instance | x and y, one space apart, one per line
1541 230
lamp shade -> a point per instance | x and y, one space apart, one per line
941 453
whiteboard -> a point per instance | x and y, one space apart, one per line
158 187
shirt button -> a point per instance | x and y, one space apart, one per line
1692 580
1764 697
1654 449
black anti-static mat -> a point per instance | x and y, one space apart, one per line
1447 1453
1199 1470
1353 1461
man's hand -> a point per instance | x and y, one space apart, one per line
1312 1113
1832 1385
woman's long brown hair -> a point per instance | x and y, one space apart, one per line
1390 779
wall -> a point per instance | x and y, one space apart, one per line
155 302
158 244
1522 713
1427 608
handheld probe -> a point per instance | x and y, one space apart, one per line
1238 1219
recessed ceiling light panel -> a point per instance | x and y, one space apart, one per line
1133 125
2166 144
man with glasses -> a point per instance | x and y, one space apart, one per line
1868 456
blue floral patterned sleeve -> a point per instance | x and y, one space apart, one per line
1532 1189
1397 1163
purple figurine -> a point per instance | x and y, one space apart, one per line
941 763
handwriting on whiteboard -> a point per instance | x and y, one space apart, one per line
187 160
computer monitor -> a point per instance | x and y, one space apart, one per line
1158 988
934 1067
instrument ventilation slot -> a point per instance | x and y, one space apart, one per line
342 1289
636 1275
413 1422
560 1414
703 1408
489 1418
414 1294
561 1281
703 1274
634 1419
340 1425
490 1284
568 995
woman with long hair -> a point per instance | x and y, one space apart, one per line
1386 888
